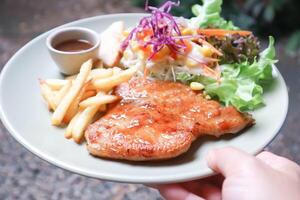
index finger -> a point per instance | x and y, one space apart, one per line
227 160
176 192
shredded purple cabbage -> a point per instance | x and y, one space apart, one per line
164 27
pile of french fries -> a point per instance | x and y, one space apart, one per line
77 100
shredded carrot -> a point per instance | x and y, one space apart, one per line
146 32
161 53
146 72
218 72
173 55
212 59
207 71
147 50
211 47
188 46
222 32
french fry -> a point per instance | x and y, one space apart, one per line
63 106
68 132
84 119
90 86
74 106
98 100
81 98
101 73
48 95
110 82
94 74
62 92
116 70
88 94
56 84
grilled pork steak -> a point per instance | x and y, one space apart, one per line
159 120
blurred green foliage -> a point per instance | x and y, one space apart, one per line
293 45
264 17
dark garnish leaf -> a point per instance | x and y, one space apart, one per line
236 48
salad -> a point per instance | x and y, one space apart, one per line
206 52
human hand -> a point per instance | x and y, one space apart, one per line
244 177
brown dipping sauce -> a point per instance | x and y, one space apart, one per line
73 45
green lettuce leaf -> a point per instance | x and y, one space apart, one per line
241 84
208 16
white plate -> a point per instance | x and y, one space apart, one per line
25 115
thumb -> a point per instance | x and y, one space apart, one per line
227 160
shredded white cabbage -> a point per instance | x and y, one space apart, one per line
165 69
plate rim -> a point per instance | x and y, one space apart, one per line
187 176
